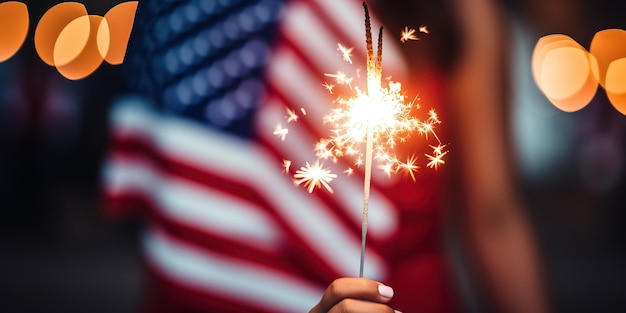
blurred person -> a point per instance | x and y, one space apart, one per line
193 155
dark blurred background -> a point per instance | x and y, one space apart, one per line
60 253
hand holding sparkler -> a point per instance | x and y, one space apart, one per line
355 295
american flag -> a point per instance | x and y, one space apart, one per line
192 152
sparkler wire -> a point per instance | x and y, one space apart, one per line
374 75
366 194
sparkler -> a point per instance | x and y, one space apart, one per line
379 117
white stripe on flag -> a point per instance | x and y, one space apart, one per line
316 41
240 281
194 205
287 73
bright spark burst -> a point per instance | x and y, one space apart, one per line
341 78
438 149
436 159
328 87
313 176
291 115
409 167
408 34
381 110
286 165
391 120
281 132
346 53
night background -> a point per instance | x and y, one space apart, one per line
62 253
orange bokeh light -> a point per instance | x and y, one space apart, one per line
71 41
569 76
607 46
615 84
541 48
565 72
52 24
13 17
77 43
88 58
115 30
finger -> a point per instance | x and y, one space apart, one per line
353 288
360 306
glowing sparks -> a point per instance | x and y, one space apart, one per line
313 176
346 53
408 34
286 165
291 115
390 119
328 87
368 122
340 77
436 159
409 167
281 132
432 115
438 149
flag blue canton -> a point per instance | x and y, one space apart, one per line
203 59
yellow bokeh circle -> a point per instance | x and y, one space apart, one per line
541 48
565 72
569 76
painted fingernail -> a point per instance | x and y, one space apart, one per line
385 291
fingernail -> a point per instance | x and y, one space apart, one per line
396 311
385 291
